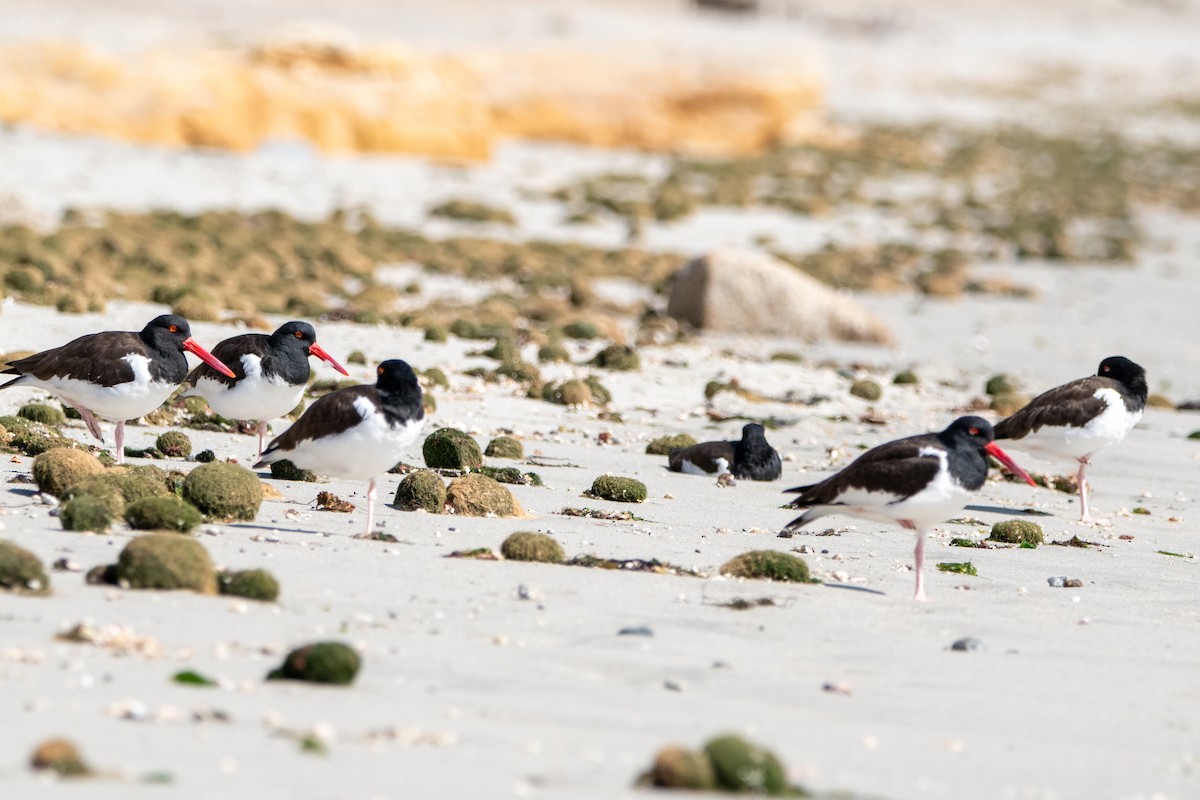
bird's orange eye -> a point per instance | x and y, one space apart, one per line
173 329
973 431
299 334
379 371
1106 369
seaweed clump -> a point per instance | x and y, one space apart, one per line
322 662
619 357
90 512
663 445
677 767
61 757
505 447
166 513
422 490
285 470
450 448
618 489
744 767
174 444
1017 531
769 564
166 561
867 389
476 495
253 584
43 413
223 490
531 546
55 471
21 571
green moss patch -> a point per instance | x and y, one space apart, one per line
663 445
44 413
743 767
450 448
223 491
958 568
253 584
476 495
322 662
505 447
55 471
1017 531
285 470
422 490
21 571
618 489
167 513
769 564
174 444
531 546
166 561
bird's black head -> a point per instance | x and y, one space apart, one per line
167 331
975 431
1124 371
397 379
753 432
301 332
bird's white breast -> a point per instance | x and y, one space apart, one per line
254 397
363 451
128 400
1106 429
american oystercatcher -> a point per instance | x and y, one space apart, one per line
270 373
1081 419
751 458
915 482
357 432
115 375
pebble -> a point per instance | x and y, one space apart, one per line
1062 581
967 644
640 630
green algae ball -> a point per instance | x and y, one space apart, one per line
476 495
620 357
174 444
285 470
436 333
530 546
253 584
581 330
1001 384
322 662
55 471
1008 403
505 447
450 448
21 571
422 490
223 490
743 767
600 394
679 768
61 757
1017 531
867 389
34 438
770 564
168 512
618 489
568 393
166 561
553 353
906 378
43 413
663 445
90 512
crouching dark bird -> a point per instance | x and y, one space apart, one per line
914 482
751 458
358 432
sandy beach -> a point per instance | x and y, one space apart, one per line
489 679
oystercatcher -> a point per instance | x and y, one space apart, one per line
915 482
115 375
751 458
1081 419
269 375
357 432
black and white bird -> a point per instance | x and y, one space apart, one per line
751 458
269 375
914 482
1081 419
115 375
358 432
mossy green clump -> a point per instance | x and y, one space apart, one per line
1017 531
174 444
1155 400
1008 403
472 211
619 357
43 413
677 767
90 512
253 584
553 354
505 447
166 561
663 445
568 393
581 330
743 767
55 471
422 490
906 378
503 349
435 376
867 389
322 662
356 357
600 394
531 546
285 470
1194 435
21 571
167 513
618 489
145 480
769 564
33 438
61 757
1001 384
511 475
436 333
206 457
223 490
450 448
958 567
477 495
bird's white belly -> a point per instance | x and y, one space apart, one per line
121 401
1101 433
364 451
721 464
252 398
